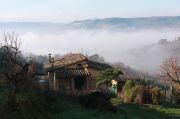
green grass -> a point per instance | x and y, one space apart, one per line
69 110
149 111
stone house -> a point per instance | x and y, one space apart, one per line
73 72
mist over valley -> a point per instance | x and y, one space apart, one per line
133 41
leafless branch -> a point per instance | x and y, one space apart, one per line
170 70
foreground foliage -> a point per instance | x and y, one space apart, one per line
106 76
67 108
140 94
30 104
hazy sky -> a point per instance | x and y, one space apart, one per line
69 10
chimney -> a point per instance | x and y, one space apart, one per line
50 58
52 61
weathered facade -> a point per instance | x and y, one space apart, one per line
74 72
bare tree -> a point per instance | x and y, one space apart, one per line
13 68
170 70
22 100
170 73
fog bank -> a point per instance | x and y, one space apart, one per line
113 46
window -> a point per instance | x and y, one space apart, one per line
79 65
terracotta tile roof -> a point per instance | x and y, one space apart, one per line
75 58
68 73
67 60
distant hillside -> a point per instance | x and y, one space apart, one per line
170 48
129 23
139 23
151 57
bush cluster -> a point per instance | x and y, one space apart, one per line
140 94
176 93
97 100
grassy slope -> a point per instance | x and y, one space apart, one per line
69 110
125 111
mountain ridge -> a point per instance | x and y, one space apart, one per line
132 23
114 23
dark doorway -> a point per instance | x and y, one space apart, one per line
80 83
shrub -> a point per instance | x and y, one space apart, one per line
116 101
147 96
105 77
128 91
131 91
97 100
155 92
139 95
26 105
135 91
176 93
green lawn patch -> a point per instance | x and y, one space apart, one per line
70 110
